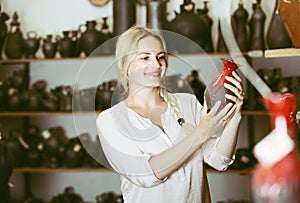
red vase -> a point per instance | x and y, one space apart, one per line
215 91
276 178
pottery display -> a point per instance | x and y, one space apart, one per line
65 45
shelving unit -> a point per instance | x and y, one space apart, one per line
27 171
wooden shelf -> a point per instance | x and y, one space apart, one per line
104 170
287 52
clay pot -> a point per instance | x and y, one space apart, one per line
188 24
49 47
32 44
240 27
289 11
65 45
90 38
3 30
14 46
277 36
74 153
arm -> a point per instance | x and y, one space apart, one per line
228 139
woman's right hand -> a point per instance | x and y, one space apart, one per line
212 122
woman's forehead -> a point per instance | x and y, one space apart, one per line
150 43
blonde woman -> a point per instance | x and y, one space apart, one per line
157 141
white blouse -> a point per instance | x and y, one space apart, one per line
129 140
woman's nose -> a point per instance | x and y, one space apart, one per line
155 61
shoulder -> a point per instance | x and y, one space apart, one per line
106 117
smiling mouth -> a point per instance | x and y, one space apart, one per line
156 74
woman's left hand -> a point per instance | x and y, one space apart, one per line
238 95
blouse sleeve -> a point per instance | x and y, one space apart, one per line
213 157
123 153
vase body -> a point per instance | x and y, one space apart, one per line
204 17
90 38
32 44
289 11
215 91
6 170
49 47
257 26
156 14
240 27
279 181
188 24
124 15
66 46
277 36
3 30
14 46
221 45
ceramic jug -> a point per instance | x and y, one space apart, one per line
124 15
49 47
14 45
156 13
32 44
3 29
240 27
257 26
65 45
90 38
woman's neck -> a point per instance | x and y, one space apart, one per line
144 97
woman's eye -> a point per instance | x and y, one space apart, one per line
145 58
161 57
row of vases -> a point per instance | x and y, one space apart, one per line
15 96
87 39
277 82
51 148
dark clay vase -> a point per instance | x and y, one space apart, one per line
14 148
107 41
277 36
124 15
31 44
6 170
221 45
65 45
188 24
240 27
156 14
3 30
75 37
49 47
203 14
3 95
74 153
14 46
257 25
103 96
90 38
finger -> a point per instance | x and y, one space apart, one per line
230 113
215 108
224 111
236 76
238 92
234 82
204 107
235 99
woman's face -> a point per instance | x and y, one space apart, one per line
149 66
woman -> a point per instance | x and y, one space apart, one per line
157 141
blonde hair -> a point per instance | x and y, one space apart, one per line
126 49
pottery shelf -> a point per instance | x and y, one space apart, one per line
106 170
